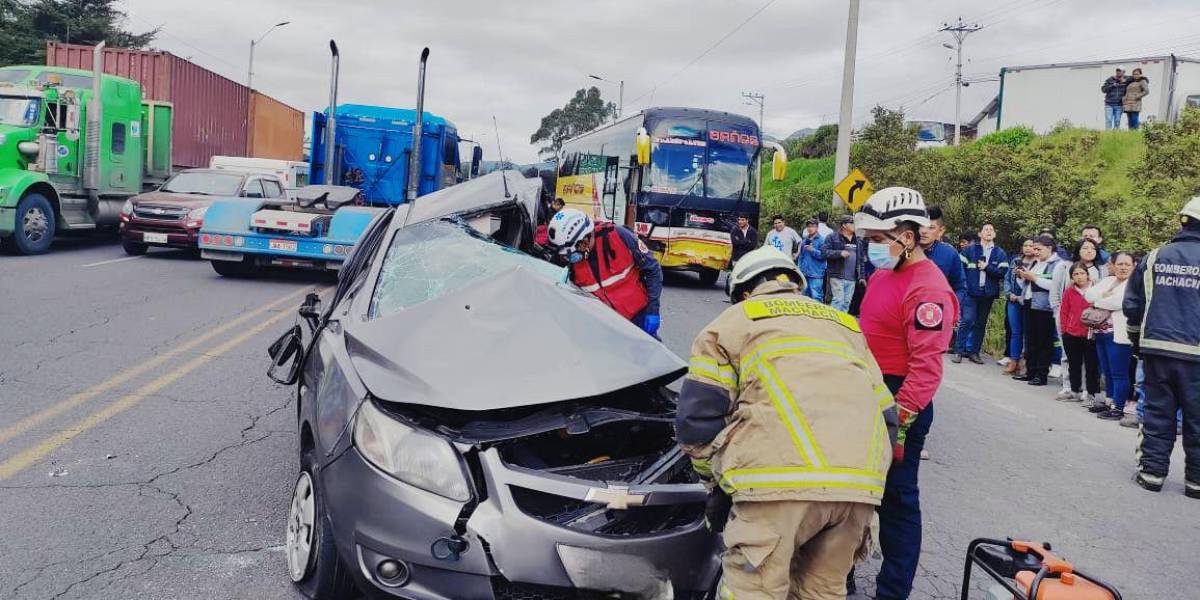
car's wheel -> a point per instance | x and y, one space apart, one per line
35 225
133 248
229 268
709 277
312 558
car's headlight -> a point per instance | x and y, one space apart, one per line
197 214
127 208
416 458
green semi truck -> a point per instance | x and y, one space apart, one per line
73 149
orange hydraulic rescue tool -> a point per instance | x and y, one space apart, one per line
1030 571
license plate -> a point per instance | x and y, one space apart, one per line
282 245
154 238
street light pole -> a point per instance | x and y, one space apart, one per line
250 87
960 31
846 120
760 100
620 93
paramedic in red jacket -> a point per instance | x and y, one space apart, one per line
908 315
609 261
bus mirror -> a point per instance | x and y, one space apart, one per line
779 162
476 160
643 146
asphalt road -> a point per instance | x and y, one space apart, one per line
144 454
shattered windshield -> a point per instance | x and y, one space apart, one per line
429 260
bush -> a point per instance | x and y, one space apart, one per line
1013 137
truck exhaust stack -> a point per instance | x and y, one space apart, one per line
331 118
414 159
91 160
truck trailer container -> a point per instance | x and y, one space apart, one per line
1042 96
211 111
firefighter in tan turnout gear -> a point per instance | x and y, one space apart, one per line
785 411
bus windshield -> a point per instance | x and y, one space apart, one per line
700 158
19 111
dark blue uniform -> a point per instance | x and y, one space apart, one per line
1162 304
977 302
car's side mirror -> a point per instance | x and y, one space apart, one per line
310 311
286 355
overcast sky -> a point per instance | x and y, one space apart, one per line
518 60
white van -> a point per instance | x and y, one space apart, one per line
293 173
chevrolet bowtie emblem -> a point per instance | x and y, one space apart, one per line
617 498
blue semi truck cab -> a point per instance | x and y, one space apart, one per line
318 229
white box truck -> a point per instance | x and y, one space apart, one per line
293 173
1042 96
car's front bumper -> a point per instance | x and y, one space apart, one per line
176 236
509 553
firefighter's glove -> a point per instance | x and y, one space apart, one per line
650 324
716 510
907 418
703 468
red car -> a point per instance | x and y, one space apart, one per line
171 216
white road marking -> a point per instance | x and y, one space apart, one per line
115 260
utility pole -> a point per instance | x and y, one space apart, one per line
620 93
846 120
759 99
960 31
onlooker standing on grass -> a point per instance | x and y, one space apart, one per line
1138 88
783 238
1087 254
1114 98
1014 289
1113 346
1039 317
1077 337
841 254
812 261
986 267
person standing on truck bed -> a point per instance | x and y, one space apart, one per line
1114 98
786 416
611 263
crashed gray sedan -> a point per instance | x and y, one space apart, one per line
471 426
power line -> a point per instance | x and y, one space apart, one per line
706 51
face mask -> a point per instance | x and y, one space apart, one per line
575 257
880 255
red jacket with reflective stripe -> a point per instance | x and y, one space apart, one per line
610 274
907 317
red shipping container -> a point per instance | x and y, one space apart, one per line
210 110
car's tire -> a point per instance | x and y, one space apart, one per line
229 268
709 277
311 553
133 248
35 225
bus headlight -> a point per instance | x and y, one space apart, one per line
416 458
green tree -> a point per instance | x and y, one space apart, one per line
822 143
584 112
26 26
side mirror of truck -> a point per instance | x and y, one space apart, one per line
286 354
476 161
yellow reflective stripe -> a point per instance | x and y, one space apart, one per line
801 477
1171 346
790 414
798 307
800 345
706 367
873 465
884 396
1148 283
725 593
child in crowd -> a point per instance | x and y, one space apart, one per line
1077 339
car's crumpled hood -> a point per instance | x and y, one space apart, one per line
514 339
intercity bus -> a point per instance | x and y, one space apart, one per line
679 177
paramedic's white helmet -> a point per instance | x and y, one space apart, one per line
1191 210
567 227
757 262
889 207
